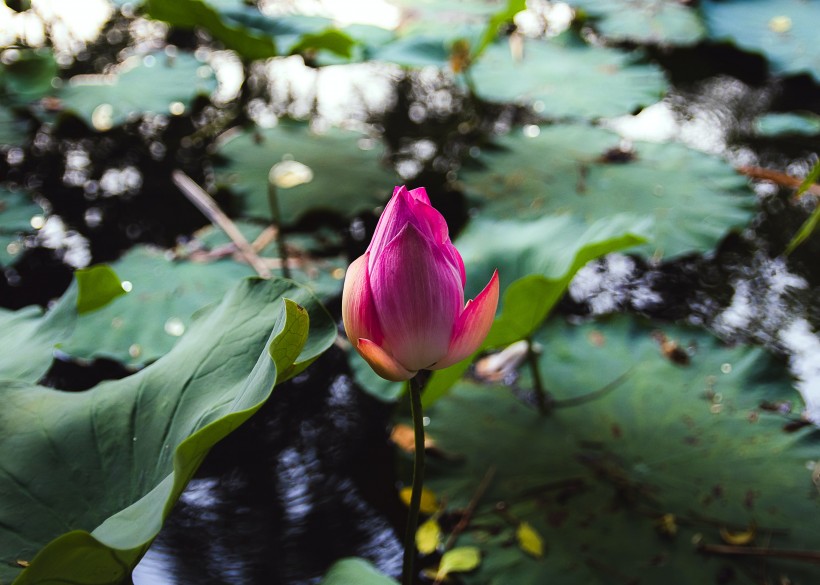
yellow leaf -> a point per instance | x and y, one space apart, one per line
428 536
738 538
405 439
529 540
458 560
429 501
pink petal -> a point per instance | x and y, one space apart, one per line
472 325
397 214
419 194
437 228
418 295
358 310
382 362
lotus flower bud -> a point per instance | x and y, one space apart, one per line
403 300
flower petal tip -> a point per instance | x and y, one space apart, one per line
473 325
382 362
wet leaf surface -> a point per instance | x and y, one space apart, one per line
328 156
567 78
595 479
692 199
130 446
781 30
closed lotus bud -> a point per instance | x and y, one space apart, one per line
403 301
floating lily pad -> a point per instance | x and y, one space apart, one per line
788 123
89 477
110 100
27 76
13 131
147 322
692 198
341 177
624 481
34 334
16 213
663 22
354 570
784 31
568 77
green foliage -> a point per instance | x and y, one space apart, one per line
692 198
783 31
247 42
663 22
89 477
178 79
808 227
329 156
568 77
251 34
495 22
355 571
627 479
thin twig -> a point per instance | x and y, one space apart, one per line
206 204
809 556
776 177
468 513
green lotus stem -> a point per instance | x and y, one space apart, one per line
407 576
273 201
538 384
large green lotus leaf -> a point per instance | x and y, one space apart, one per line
784 31
87 478
595 479
569 77
152 84
147 322
16 212
354 571
692 198
664 22
345 178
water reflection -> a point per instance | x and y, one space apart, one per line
308 480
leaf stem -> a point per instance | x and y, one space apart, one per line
407 574
273 201
540 393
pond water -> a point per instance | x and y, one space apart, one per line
312 477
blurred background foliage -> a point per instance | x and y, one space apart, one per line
642 157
